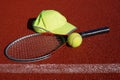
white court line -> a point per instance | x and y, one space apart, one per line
59 68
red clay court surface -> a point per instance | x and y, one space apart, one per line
98 58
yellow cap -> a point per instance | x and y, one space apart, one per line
52 21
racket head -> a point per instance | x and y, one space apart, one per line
34 47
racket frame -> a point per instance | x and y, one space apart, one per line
37 58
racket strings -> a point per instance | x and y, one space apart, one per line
33 47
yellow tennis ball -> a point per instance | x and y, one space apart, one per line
74 40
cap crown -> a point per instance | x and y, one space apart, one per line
51 20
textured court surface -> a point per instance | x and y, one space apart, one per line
98 58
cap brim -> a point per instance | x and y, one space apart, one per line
65 29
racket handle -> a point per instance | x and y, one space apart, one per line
95 31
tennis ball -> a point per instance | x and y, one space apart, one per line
74 40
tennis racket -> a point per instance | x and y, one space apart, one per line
37 46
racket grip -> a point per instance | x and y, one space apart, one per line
95 31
